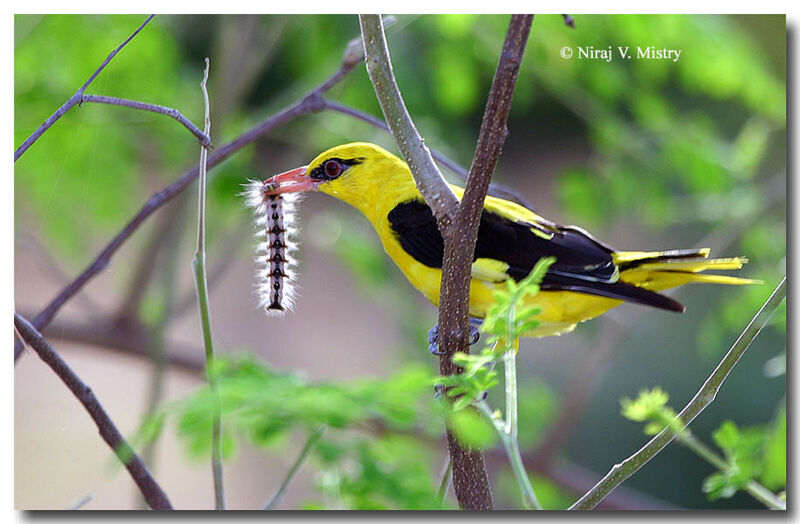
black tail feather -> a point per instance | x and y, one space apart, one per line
618 290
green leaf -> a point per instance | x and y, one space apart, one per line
472 429
718 485
774 475
727 436
649 405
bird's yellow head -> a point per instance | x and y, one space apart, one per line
360 174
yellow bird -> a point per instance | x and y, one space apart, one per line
587 279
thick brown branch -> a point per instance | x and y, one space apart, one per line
74 99
311 103
459 244
150 489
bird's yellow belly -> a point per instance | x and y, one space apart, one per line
561 311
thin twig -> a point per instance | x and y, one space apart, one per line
199 267
150 489
705 396
512 429
292 473
76 98
309 104
578 480
514 458
469 472
204 139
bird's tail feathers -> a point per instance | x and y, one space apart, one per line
630 259
663 270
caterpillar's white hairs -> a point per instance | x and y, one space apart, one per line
276 273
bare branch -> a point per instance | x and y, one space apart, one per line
292 473
705 396
459 244
429 180
204 139
76 98
201 284
578 479
309 104
150 489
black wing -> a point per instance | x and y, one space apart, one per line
582 264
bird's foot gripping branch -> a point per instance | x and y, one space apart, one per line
474 335
506 321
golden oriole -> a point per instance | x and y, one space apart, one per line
587 279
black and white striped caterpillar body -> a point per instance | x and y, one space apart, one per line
276 273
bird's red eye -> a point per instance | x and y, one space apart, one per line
333 168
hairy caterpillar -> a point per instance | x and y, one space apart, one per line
276 272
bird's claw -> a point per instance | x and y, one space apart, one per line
433 335
433 341
438 391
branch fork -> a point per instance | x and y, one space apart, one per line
458 222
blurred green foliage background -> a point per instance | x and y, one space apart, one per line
645 154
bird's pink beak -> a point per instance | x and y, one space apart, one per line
294 181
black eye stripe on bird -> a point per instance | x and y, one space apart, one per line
275 221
